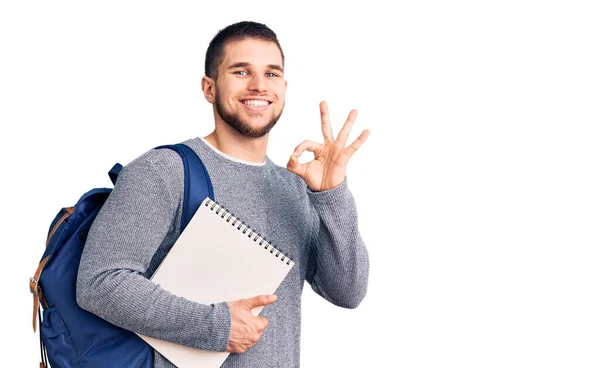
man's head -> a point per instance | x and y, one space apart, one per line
244 78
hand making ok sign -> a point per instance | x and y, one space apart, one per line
328 169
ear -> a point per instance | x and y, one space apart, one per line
208 87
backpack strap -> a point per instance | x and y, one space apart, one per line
114 172
197 184
36 290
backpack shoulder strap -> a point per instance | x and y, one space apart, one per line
197 184
114 172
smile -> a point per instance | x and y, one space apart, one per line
256 105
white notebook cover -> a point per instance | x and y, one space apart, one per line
211 262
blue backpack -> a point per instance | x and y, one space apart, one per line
69 335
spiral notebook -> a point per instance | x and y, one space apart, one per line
216 258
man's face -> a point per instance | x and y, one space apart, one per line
250 89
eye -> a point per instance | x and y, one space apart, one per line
272 75
241 72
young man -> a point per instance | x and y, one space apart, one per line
306 210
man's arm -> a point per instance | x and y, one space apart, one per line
128 230
339 264
338 267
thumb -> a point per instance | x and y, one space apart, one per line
260 300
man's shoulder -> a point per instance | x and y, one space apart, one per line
161 165
156 158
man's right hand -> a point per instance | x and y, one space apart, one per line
246 329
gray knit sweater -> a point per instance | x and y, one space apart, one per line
318 230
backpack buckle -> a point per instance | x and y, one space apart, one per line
34 288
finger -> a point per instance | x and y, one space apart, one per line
325 122
307 145
253 338
260 300
296 167
345 132
261 323
358 142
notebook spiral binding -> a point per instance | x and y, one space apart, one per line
258 238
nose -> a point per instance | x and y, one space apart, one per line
257 83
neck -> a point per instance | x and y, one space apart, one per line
232 143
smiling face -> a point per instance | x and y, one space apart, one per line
249 92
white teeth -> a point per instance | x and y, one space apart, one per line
256 103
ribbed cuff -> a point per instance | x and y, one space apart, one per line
215 327
335 198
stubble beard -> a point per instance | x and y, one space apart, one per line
245 129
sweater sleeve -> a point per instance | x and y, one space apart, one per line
130 227
338 268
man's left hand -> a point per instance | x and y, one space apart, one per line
328 168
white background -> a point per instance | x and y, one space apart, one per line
478 190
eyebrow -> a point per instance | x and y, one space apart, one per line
243 64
